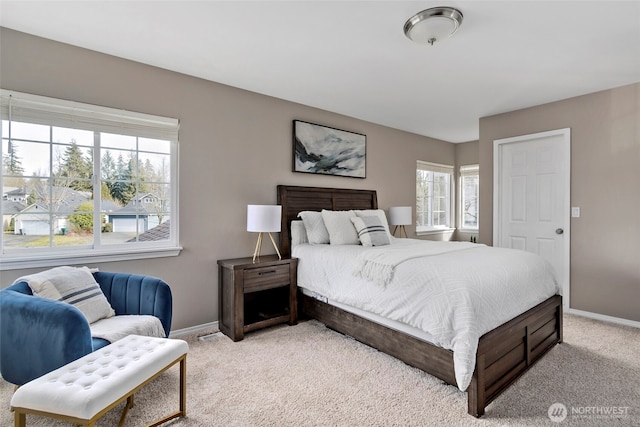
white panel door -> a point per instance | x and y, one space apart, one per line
531 197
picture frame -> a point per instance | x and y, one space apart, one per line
329 151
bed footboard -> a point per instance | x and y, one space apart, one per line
507 352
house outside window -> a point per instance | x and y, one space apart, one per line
83 183
434 197
469 196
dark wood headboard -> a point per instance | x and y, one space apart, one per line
296 199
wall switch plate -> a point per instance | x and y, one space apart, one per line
575 212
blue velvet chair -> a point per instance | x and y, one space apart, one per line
38 335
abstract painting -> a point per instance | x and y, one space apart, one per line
329 151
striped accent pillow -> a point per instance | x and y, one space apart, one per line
75 286
371 231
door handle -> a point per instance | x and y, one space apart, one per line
559 231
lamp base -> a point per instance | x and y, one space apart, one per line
402 230
256 252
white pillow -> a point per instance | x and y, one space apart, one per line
340 227
314 224
75 286
371 231
377 213
298 233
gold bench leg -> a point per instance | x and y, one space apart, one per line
183 387
127 406
20 419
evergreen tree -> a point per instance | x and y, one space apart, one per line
75 165
108 172
105 192
123 189
12 165
108 167
12 162
147 176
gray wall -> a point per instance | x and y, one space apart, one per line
605 184
235 147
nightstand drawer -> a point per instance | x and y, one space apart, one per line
266 277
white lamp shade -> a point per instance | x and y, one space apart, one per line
264 218
400 215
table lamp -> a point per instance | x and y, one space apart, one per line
264 219
400 216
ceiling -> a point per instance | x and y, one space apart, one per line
351 57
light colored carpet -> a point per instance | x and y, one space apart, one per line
307 375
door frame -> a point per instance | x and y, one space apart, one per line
498 144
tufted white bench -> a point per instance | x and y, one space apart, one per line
84 390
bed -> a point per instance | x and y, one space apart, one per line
503 354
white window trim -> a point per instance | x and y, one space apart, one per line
435 231
465 170
82 257
59 112
30 108
437 167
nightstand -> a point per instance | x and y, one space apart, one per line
256 295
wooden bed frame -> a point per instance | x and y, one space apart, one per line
503 355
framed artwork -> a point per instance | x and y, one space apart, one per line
329 151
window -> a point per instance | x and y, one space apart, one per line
434 195
85 183
469 187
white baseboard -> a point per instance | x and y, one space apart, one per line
603 317
206 327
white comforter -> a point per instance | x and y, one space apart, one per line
457 294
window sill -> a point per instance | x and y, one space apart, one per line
434 231
74 258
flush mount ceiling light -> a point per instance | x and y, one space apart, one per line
432 25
